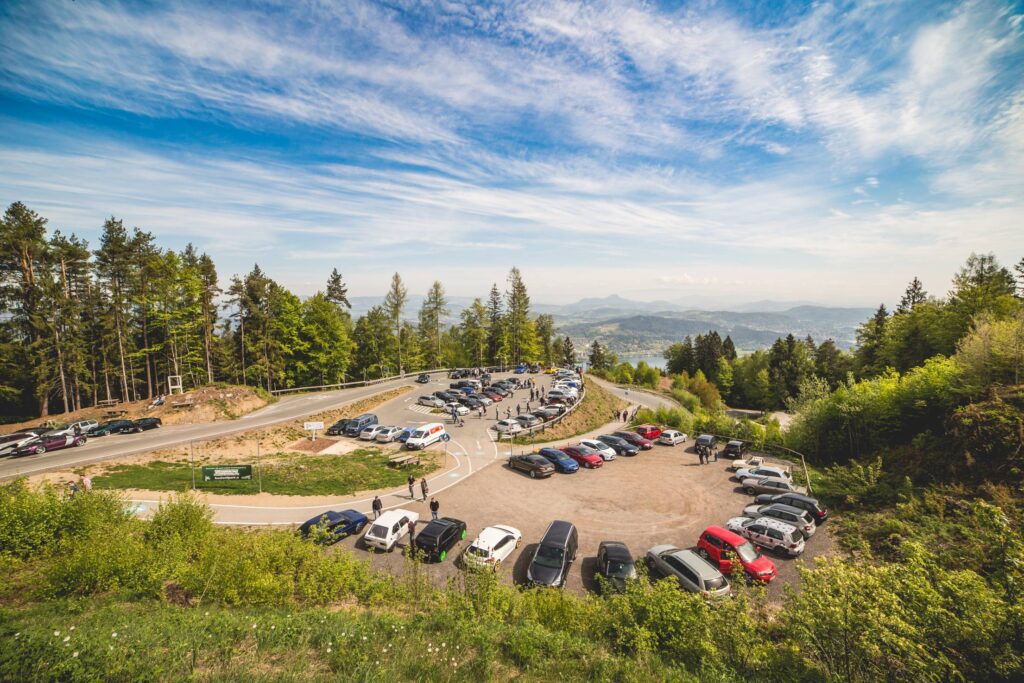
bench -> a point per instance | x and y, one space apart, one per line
115 413
404 459
186 403
107 402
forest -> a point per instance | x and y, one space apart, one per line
81 324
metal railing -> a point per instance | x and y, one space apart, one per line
361 383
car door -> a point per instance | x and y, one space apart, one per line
503 548
757 533
688 579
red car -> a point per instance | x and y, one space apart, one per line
649 432
493 395
720 547
586 457
636 440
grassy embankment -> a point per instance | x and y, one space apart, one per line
597 408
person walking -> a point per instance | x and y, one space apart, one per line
519 410
481 412
508 412
434 506
377 507
424 487
497 415
412 531
412 482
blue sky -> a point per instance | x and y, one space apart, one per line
700 152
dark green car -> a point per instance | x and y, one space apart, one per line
112 427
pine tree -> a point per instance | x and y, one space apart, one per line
522 338
870 337
434 308
337 290
394 303
545 326
473 332
913 296
1019 268
567 354
495 326
729 349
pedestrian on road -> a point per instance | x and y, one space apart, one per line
412 531
519 409
508 412
377 507
424 487
412 482
434 505
481 411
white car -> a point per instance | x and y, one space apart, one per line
555 406
763 471
388 434
508 426
387 529
604 450
801 519
371 432
12 442
493 546
458 407
566 389
671 437
430 401
769 533
750 463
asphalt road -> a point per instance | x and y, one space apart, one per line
119 445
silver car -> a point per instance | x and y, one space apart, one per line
763 471
692 571
801 519
755 485
430 401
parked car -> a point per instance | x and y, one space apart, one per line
615 563
534 465
621 446
720 547
500 390
144 424
562 462
492 546
455 406
671 437
605 451
557 407
404 435
797 500
335 526
112 427
370 433
649 432
763 471
636 440
49 442
801 519
769 533
586 457
493 395
745 463
439 537
423 378
755 485
430 401
484 399
554 555
510 426
387 529
693 572
426 435
388 434
338 428
520 369
12 442
550 371
471 403
79 427
528 420
356 425
735 449
534 369
545 414
706 441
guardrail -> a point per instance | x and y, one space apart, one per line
530 431
361 383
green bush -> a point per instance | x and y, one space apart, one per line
107 559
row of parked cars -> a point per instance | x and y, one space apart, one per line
45 439
367 427
593 453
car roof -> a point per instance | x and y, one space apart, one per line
617 551
705 570
800 496
553 451
785 508
735 443
436 526
726 535
773 523
492 534
558 532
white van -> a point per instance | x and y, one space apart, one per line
385 531
425 435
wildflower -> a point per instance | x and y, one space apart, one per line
67 638
72 628
272 627
328 650
114 634
75 653
364 637
17 634
56 633
254 625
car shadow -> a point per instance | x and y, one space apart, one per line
523 563
588 572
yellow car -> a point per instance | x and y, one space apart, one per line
550 371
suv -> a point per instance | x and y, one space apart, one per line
534 465
423 378
706 441
438 537
769 533
356 426
555 554
734 449
797 500
755 485
720 547
801 519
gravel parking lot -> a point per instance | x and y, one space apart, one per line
659 496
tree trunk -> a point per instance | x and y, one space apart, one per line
60 369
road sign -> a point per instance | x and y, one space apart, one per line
226 472
311 426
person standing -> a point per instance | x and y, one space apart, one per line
434 506
412 482
716 454
519 410
412 531
377 507
497 415
424 487
86 483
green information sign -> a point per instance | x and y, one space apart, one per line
226 472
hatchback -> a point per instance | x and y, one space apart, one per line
769 533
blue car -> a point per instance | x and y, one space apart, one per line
337 525
562 462
520 369
404 435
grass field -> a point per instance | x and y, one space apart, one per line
596 409
283 474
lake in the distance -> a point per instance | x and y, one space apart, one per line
654 360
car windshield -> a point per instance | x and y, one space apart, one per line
378 531
747 552
549 556
418 434
621 570
478 552
715 583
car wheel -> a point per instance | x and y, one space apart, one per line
40 449
750 491
533 474
444 554
80 442
138 430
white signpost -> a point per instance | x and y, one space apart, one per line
312 428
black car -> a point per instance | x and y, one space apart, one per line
615 563
438 537
113 427
471 403
620 446
634 439
423 378
335 525
146 423
339 427
797 500
500 390
735 449
555 554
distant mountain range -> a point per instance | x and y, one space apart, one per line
631 327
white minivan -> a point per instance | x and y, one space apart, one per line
425 435
385 531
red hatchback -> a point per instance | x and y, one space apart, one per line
586 457
720 547
648 431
